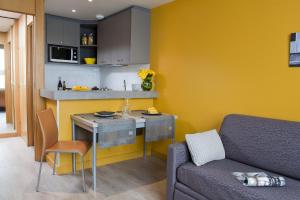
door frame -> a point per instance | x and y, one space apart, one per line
37 10
29 83
8 87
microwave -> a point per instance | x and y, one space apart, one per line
63 54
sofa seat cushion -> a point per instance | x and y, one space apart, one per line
215 181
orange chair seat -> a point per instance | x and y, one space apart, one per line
80 147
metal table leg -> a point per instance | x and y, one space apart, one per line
145 150
145 145
73 154
94 155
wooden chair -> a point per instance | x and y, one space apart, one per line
51 143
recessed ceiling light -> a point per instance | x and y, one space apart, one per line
99 16
90 0
73 10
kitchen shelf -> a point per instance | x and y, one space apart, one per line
88 51
90 65
88 46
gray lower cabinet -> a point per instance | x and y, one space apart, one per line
124 38
62 31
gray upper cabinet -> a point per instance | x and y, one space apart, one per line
105 31
62 31
124 38
71 33
140 36
121 38
54 30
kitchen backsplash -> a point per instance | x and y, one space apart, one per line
111 77
72 74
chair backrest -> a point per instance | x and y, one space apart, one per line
48 127
269 144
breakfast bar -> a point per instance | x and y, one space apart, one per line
67 107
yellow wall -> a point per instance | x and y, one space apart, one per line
104 156
219 57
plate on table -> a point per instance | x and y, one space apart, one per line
151 114
104 114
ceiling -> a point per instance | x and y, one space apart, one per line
86 10
7 20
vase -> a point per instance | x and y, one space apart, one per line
147 84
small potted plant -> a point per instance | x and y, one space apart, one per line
147 77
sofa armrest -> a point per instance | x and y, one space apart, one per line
178 154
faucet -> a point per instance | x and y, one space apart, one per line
125 87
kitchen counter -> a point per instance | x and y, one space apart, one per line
90 95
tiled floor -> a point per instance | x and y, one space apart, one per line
5 128
130 180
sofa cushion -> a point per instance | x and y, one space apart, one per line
269 144
214 180
205 147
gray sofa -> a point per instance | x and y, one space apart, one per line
252 144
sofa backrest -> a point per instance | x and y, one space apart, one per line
268 144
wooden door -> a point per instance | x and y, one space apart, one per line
29 84
8 86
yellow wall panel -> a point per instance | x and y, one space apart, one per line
214 58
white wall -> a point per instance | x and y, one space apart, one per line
104 76
72 74
113 77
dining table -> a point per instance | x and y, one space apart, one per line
91 126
